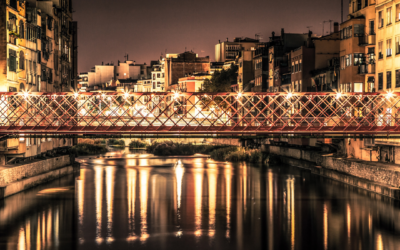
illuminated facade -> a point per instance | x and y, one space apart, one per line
357 48
228 50
36 57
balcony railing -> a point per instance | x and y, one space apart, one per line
371 68
362 69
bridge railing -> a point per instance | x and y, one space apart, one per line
200 113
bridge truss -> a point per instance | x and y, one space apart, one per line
222 114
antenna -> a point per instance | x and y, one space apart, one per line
330 26
323 27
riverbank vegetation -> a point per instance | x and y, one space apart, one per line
88 149
138 144
216 152
116 143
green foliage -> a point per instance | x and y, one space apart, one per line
222 153
138 144
235 154
221 81
88 149
113 142
167 148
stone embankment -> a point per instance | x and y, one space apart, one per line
381 178
19 177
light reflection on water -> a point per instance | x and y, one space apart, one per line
145 202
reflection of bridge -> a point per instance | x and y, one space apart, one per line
199 113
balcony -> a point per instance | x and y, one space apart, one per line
371 39
371 68
363 40
362 69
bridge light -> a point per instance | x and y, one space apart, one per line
239 94
76 95
26 95
338 95
176 94
389 95
126 95
289 95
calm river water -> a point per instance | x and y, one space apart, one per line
138 201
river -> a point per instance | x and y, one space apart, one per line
139 201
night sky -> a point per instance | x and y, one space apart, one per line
144 29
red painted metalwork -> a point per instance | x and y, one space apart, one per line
199 113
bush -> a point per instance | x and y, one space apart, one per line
88 149
113 142
138 144
168 148
222 153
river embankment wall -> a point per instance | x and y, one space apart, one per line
19 177
381 178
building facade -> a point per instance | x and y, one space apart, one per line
229 50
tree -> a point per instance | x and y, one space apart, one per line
221 81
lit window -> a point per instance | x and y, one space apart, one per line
358 87
380 19
389 47
389 16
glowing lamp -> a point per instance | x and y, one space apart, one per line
389 95
289 95
76 95
338 95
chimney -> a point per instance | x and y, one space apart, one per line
102 63
273 34
282 32
219 41
335 27
227 39
127 57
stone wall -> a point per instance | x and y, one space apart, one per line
384 173
9 174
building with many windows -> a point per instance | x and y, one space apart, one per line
36 56
228 50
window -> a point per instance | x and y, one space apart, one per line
389 47
397 78
365 3
380 48
300 65
380 19
300 89
348 60
163 75
154 76
372 27
397 17
12 61
21 30
158 75
21 60
359 30
397 45
358 87
389 16
342 62
359 59
389 80
380 81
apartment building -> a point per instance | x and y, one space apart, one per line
278 52
229 50
180 65
357 48
158 76
31 43
101 74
